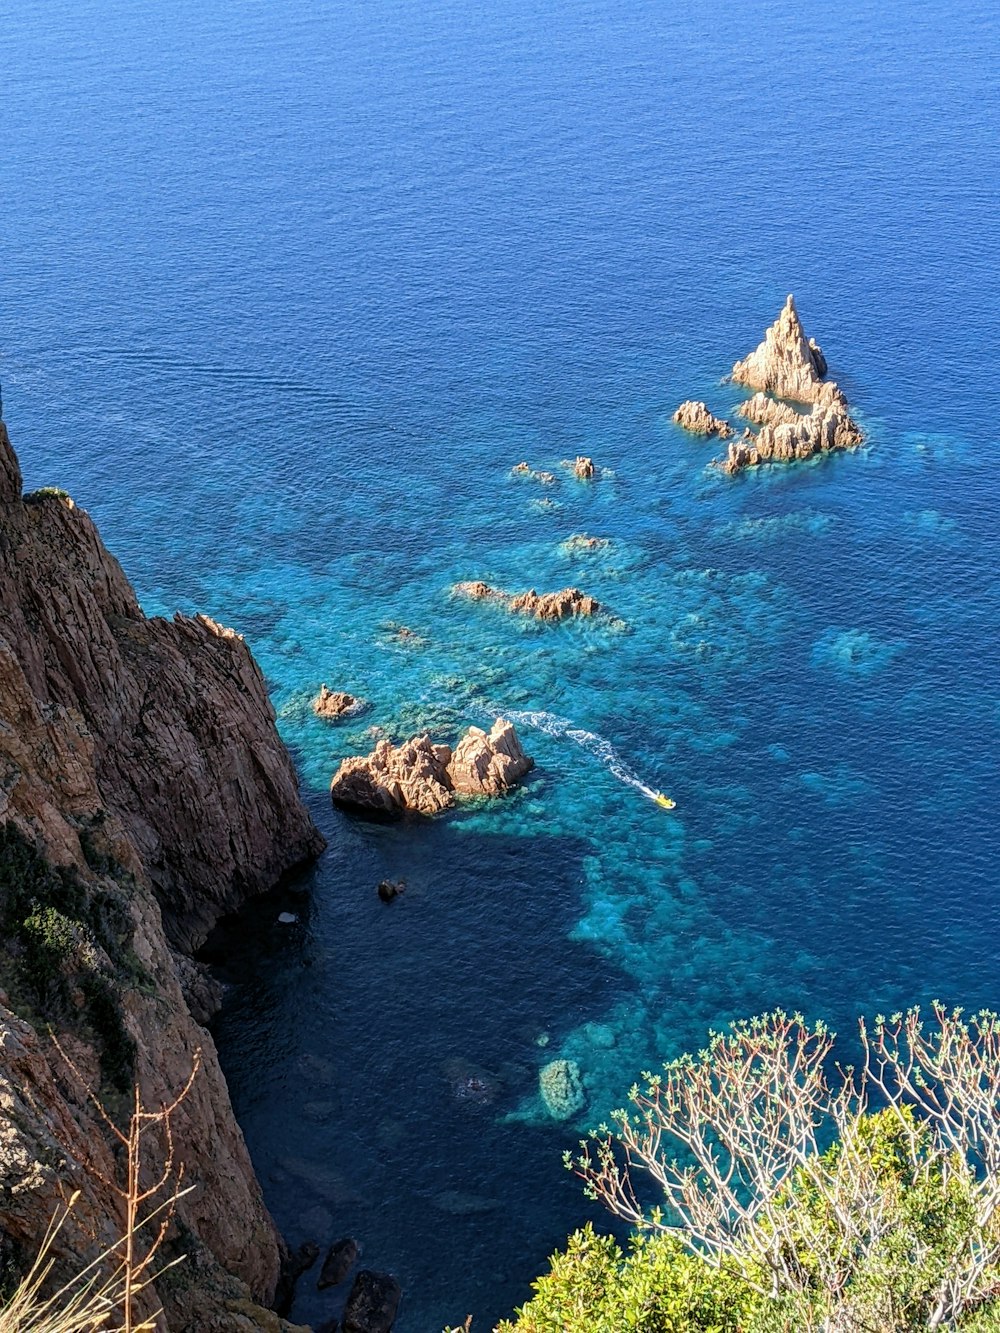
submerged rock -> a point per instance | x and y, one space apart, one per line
334 703
532 474
786 363
425 778
340 1259
695 416
581 542
562 1089
371 1307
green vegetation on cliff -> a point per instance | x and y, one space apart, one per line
66 955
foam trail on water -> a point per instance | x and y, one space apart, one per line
598 746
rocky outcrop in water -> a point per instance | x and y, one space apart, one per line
143 792
542 606
798 436
423 777
789 365
786 363
695 416
764 411
335 703
583 468
372 1304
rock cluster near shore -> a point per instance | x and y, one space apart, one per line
542 606
695 417
423 777
790 366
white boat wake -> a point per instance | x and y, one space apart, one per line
588 740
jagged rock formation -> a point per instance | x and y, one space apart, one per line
143 792
423 777
786 363
542 606
791 366
334 703
695 416
764 411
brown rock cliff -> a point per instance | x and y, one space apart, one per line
139 758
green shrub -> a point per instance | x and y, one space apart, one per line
656 1287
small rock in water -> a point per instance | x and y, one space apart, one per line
340 1259
389 889
335 703
372 1304
287 918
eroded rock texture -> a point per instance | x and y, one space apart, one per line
423 777
695 417
790 366
143 792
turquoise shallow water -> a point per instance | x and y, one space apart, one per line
288 289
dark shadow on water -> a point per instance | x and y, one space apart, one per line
350 1036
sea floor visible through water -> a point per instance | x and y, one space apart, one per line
289 295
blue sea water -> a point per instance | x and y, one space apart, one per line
288 288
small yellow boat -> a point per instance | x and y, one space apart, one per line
665 801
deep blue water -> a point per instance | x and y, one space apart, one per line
288 288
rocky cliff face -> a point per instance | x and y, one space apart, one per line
143 792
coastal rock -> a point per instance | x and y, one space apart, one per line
139 761
488 764
340 1259
583 468
543 606
764 411
786 363
332 703
562 1089
477 591
827 427
371 1307
411 776
554 605
425 778
372 1304
695 416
